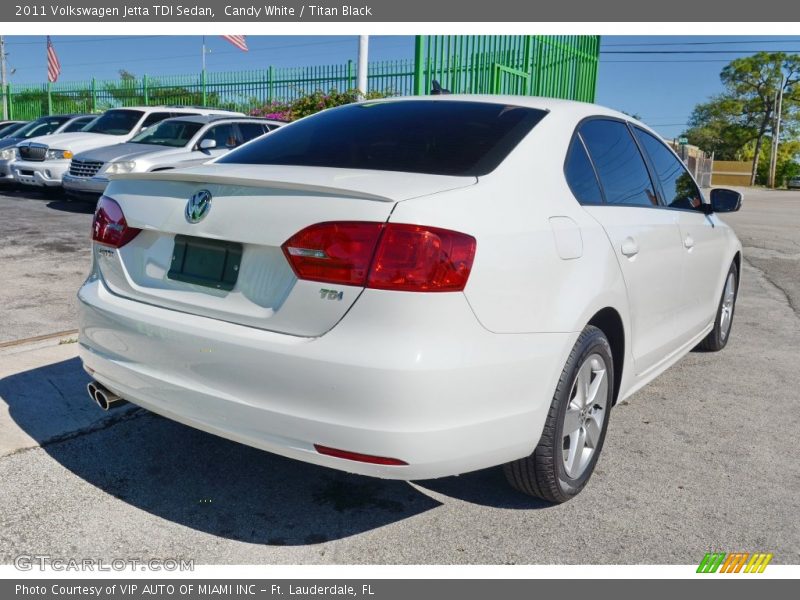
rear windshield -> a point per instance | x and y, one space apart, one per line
115 122
175 134
441 137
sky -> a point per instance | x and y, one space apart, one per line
660 78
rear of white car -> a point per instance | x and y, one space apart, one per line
408 299
369 360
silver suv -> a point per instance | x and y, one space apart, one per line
42 161
170 144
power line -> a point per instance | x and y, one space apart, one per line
715 43
774 51
686 60
123 61
89 40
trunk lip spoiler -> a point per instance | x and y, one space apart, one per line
265 182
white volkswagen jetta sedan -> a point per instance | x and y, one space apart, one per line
412 288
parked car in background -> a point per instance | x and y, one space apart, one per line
413 288
171 144
42 162
793 183
9 127
44 126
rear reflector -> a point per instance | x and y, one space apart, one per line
109 226
386 256
365 458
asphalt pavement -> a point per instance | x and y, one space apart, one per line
701 459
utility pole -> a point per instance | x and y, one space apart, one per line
3 76
363 53
776 133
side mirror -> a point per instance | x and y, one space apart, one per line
723 200
207 144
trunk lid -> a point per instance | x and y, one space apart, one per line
255 209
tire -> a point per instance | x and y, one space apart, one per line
718 337
555 473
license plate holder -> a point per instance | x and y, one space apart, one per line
201 261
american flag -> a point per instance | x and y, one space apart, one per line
53 66
239 41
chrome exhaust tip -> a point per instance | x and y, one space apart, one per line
103 397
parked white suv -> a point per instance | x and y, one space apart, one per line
43 161
172 143
44 126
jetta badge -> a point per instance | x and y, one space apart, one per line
198 206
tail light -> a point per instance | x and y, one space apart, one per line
109 226
333 252
386 256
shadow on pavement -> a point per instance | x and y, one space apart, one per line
196 479
72 206
487 487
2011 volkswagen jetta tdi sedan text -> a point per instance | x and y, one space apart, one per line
412 288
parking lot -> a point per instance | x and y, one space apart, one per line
702 459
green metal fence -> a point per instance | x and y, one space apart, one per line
558 66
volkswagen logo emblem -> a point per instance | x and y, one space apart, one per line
198 206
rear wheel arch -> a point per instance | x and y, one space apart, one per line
609 321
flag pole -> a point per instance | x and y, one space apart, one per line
3 79
203 73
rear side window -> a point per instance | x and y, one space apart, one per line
115 122
619 163
155 117
251 130
580 174
442 137
78 124
680 190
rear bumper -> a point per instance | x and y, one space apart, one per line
48 173
437 391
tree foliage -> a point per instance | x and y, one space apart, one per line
738 123
312 103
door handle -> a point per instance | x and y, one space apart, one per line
629 247
688 242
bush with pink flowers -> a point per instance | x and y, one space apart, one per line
312 103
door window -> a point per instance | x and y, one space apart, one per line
619 164
678 187
225 135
